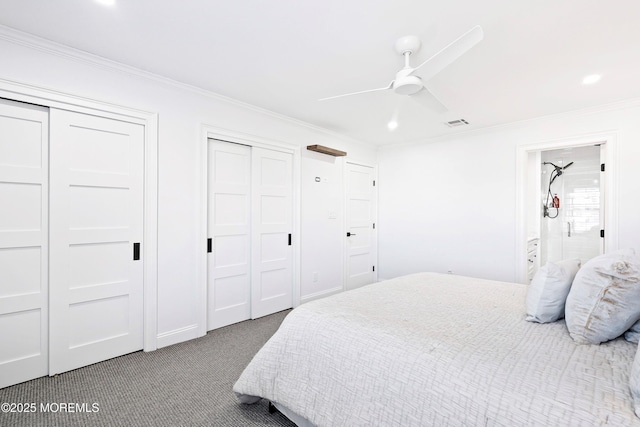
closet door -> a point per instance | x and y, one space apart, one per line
96 220
23 242
272 258
360 214
229 228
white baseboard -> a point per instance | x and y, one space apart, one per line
322 294
177 335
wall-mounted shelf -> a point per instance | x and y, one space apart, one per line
326 150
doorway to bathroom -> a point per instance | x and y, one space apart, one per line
571 200
582 171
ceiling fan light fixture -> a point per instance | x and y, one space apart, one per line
392 125
591 79
408 85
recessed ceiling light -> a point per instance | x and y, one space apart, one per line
589 80
107 2
392 125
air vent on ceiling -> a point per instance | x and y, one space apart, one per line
456 123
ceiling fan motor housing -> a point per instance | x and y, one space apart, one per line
407 85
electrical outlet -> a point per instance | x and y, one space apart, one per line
315 276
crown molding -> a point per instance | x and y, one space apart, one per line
31 41
602 108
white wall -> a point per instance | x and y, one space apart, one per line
322 235
182 112
450 203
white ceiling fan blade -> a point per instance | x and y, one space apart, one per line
357 93
427 99
450 53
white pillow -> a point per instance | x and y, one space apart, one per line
634 382
547 293
604 300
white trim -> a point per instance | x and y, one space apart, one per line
178 335
150 251
321 294
461 133
237 137
64 101
54 99
611 191
360 163
212 132
37 43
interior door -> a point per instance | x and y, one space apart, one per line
23 242
272 255
360 224
229 228
96 225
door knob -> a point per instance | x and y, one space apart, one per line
350 234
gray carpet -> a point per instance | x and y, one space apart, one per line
187 384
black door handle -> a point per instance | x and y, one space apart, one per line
349 234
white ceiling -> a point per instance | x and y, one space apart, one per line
283 55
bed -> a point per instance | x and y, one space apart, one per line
434 349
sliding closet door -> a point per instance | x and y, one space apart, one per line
229 228
96 219
23 242
272 258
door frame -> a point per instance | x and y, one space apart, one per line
21 92
345 267
213 132
610 191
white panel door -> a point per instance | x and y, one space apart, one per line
272 258
229 228
360 220
23 242
96 220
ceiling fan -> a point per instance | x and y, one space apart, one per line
407 83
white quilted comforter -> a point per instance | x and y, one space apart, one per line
438 350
